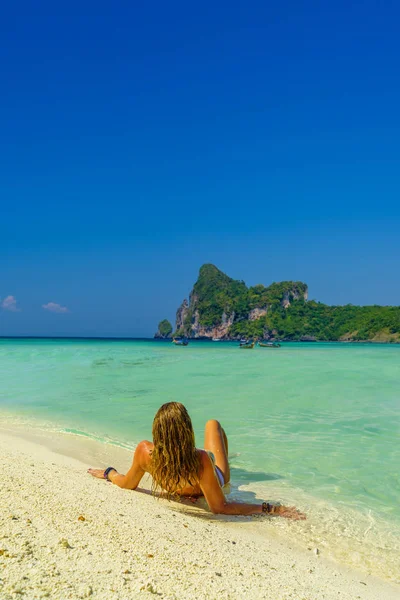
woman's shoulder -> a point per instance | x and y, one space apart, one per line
144 449
207 464
204 456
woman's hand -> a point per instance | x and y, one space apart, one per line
99 473
289 512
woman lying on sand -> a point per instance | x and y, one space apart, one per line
179 468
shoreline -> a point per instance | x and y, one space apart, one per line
130 545
199 339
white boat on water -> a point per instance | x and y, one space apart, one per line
216 339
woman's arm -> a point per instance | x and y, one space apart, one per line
218 504
131 480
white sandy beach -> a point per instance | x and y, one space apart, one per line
65 535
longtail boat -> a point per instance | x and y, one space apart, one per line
247 346
179 342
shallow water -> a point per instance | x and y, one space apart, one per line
313 424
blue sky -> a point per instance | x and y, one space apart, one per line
138 142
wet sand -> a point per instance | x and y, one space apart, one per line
65 535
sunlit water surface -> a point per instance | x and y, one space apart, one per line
316 425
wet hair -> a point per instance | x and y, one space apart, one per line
175 461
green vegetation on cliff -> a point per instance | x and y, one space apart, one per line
325 323
164 328
225 307
214 294
260 296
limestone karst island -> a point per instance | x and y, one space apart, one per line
226 308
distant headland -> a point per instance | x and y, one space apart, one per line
225 308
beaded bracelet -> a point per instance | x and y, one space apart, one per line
107 471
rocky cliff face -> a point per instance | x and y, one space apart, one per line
293 294
164 330
159 336
217 302
226 308
181 315
256 313
220 330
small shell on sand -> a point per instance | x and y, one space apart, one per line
148 588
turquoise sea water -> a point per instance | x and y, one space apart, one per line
313 424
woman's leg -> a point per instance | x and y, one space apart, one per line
216 441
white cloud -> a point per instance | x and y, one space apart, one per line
55 308
10 303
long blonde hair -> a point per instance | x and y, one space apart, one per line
175 461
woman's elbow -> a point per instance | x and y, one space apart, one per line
122 482
128 485
219 509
